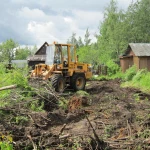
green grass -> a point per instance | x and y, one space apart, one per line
131 78
140 80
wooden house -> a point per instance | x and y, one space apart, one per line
38 57
137 54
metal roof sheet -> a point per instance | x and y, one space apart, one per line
140 49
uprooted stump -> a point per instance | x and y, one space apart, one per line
77 102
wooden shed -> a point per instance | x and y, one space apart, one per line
38 57
137 54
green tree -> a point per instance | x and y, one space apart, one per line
89 54
8 49
22 53
80 43
87 40
73 40
111 41
138 22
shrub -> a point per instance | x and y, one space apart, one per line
82 93
139 79
63 103
19 77
139 75
144 81
6 142
37 105
112 67
130 73
21 120
2 68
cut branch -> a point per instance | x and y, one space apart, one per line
8 87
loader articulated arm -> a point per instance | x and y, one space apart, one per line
43 71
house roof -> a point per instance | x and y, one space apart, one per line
45 44
140 49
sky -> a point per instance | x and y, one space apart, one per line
32 22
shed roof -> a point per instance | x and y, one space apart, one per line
140 49
45 44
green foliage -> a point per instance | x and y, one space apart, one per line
37 105
111 40
82 93
145 80
136 97
88 54
22 53
118 29
6 146
2 68
63 103
139 75
137 22
130 73
100 78
10 50
7 49
21 120
108 131
112 68
17 76
5 143
139 79
73 40
87 40
144 134
80 43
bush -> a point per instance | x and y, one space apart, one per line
2 68
139 79
130 73
112 67
16 76
19 77
139 75
63 103
6 142
144 81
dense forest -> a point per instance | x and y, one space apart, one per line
118 29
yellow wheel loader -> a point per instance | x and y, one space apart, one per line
62 68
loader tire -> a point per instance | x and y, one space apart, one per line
58 82
78 81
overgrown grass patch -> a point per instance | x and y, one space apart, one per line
139 79
131 78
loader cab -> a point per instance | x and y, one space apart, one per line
60 54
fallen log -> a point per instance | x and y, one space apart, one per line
8 87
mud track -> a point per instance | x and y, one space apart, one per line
119 116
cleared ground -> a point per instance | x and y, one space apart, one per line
108 117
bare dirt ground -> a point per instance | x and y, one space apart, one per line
108 117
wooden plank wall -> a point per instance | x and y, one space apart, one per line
144 62
126 62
